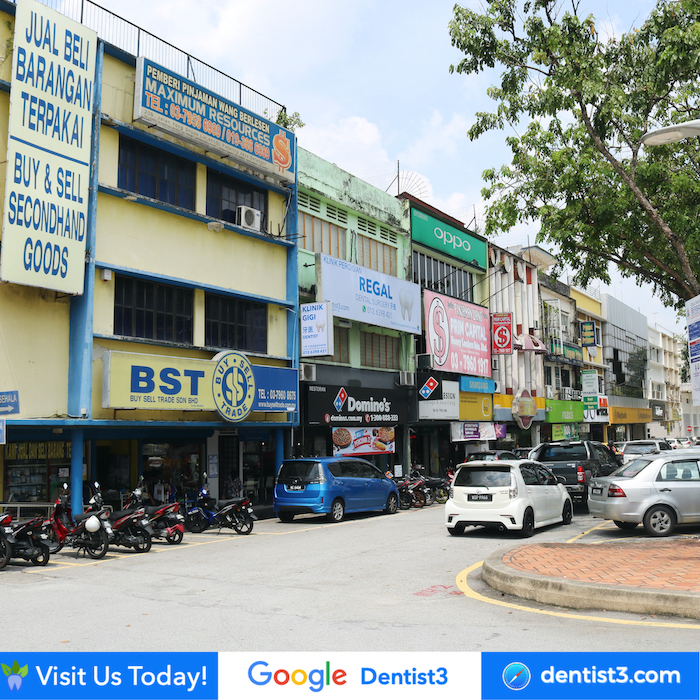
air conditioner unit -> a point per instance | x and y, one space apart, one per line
494 363
407 378
344 323
307 372
425 361
567 393
576 395
497 387
549 391
249 218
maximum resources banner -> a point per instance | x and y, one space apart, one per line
44 223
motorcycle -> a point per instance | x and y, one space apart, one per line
130 528
234 513
88 532
166 520
27 539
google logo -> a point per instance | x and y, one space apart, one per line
317 678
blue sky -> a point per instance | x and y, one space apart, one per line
371 81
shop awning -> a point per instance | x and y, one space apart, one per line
529 343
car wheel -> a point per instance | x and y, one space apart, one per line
457 530
659 521
392 504
337 511
625 526
566 513
286 517
528 523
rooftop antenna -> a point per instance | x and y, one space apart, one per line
409 182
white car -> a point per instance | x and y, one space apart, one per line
507 494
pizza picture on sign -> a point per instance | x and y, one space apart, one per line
342 437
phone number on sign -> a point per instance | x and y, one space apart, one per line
383 418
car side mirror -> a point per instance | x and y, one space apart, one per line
561 479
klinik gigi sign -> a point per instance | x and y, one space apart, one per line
48 151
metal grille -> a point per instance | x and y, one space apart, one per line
128 37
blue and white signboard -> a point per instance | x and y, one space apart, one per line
276 389
316 329
184 109
692 313
44 222
361 294
9 402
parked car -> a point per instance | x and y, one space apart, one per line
630 450
507 494
522 452
491 455
659 491
331 485
675 443
577 461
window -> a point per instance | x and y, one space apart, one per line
155 311
380 351
376 255
225 194
235 323
321 236
440 276
341 345
156 174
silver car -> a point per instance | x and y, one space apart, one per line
660 491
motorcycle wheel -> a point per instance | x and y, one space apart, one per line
175 538
54 545
404 500
429 497
196 523
441 495
244 525
43 558
99 544
5 550
144 540
418 500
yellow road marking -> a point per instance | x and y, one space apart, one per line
463 586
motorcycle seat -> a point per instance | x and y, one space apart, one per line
82 516
232 501
152 509
117 514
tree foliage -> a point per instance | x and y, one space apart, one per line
578 105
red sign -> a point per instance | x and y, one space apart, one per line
690 428
457 334
502 333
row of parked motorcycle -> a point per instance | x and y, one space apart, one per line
417 490
99 527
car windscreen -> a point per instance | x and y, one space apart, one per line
645 449
632 468
483 476
298 472
562 453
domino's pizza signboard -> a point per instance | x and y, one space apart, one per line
316 329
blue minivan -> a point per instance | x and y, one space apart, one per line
331 485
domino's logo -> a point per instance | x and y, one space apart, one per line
340 399
428 388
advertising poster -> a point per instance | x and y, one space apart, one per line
502 333
457 333
316 329
692 314
45 218
364 441
587 334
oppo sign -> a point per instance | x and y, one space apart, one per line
450 240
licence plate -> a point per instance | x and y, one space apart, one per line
479 497
295 487
597 491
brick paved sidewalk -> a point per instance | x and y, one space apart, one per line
672 565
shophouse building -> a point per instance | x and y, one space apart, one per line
453 356
359 316
690 415
663 384
625 351
149 296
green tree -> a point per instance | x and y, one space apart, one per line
578 105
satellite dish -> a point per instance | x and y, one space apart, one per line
508 263
520 270
493 256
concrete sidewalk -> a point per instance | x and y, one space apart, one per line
638 575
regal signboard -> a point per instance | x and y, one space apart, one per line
188 111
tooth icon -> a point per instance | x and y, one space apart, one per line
406 302
320 325
14 674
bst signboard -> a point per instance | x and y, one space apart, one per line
457 333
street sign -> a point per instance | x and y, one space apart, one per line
9 402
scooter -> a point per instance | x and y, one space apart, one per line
27 539
234 513
88 532
166 520
130 528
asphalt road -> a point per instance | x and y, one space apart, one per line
370 583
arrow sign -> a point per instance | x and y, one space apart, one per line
9 402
